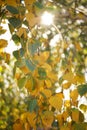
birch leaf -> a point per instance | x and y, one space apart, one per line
47 118
56 101
3 43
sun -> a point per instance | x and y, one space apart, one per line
47 18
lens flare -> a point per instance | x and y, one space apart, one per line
47 18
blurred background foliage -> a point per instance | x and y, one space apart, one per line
43 69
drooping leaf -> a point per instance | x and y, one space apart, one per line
1 84
42 57
12 9
33 47
32 19
3 43
31 116
83 107
31 66
38 4
17 126
68 76
82 89
56 101
18 53
15 22
47 118
59 117
11 28
46 93
75 115
20 63
79 126
42 73
74 95
13 2
22 32
30 84
22 82
2 31
15 38
32 105
66 85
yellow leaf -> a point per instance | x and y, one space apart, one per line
26 126
47 92
47 118
65 115
42 57
68 76
32 19
5 56
17 125
47 66
30 85
32 119
1 69
59 117
75 115
48 83
17 75
67 103
2 31
66 85
25 70
22 31
52 75
74 95
2 2
3 43
79 79
85 61
56 101
13 2
39 84
78 46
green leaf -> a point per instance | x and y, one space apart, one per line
12 9
33 47
38 4
83 107
25 22
42 73
1 84
15 22
15 38
20 63
32 105
30 65
21 50
21 9
18 53
82 89
79 126
22 82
